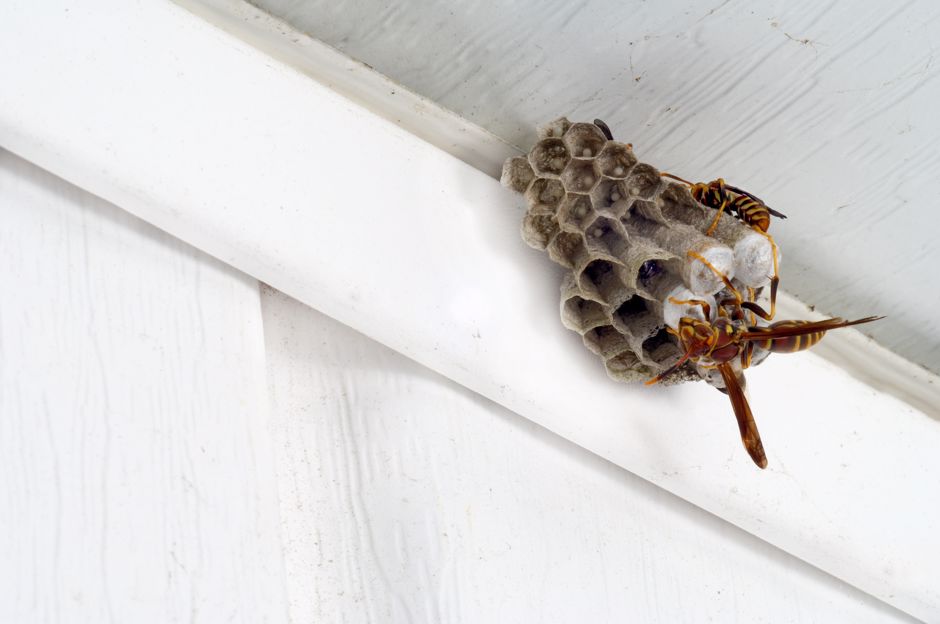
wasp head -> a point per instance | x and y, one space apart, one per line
697 337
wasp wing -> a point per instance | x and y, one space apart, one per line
739 191
742 411
784 330
607 133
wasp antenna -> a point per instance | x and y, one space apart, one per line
674 177
669 370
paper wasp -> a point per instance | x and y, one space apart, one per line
720 195
749 208
727 344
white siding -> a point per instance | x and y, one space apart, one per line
136 475
226 148
138 483
408 498
346 212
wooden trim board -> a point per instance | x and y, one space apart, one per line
226 148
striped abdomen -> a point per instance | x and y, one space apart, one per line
751 212
788 344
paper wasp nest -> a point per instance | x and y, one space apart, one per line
624 233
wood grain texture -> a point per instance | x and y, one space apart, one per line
853 478
407 498
136 477
827 111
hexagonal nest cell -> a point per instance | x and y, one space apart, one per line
621 230
584 140
580 176
544 195
616 161
549 157
576 212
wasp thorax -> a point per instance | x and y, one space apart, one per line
697 337
623 233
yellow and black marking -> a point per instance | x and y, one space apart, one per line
793 336
751 212
787 344
720 196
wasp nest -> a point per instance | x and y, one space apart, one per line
624 233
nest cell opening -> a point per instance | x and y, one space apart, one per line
648 210
661 348
600 281
657 276
678 205
610 196
544 195
605 340
626 366
580 176
606 236
634 316
584 140
632 307
649 269
517 174
549 157
576 212
566 248
583 314
539 229
643 181
616 160
555 128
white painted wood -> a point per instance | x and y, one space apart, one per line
827 111
135 478
852 351
408 498
297 186
869 362
136 475
358 82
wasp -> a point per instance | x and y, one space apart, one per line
727 344
749 208
720 195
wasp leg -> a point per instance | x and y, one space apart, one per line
758 310
746 354
738 299
723 193
751 296
705 307
776 278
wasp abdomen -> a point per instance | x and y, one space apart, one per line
787 344
751 212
